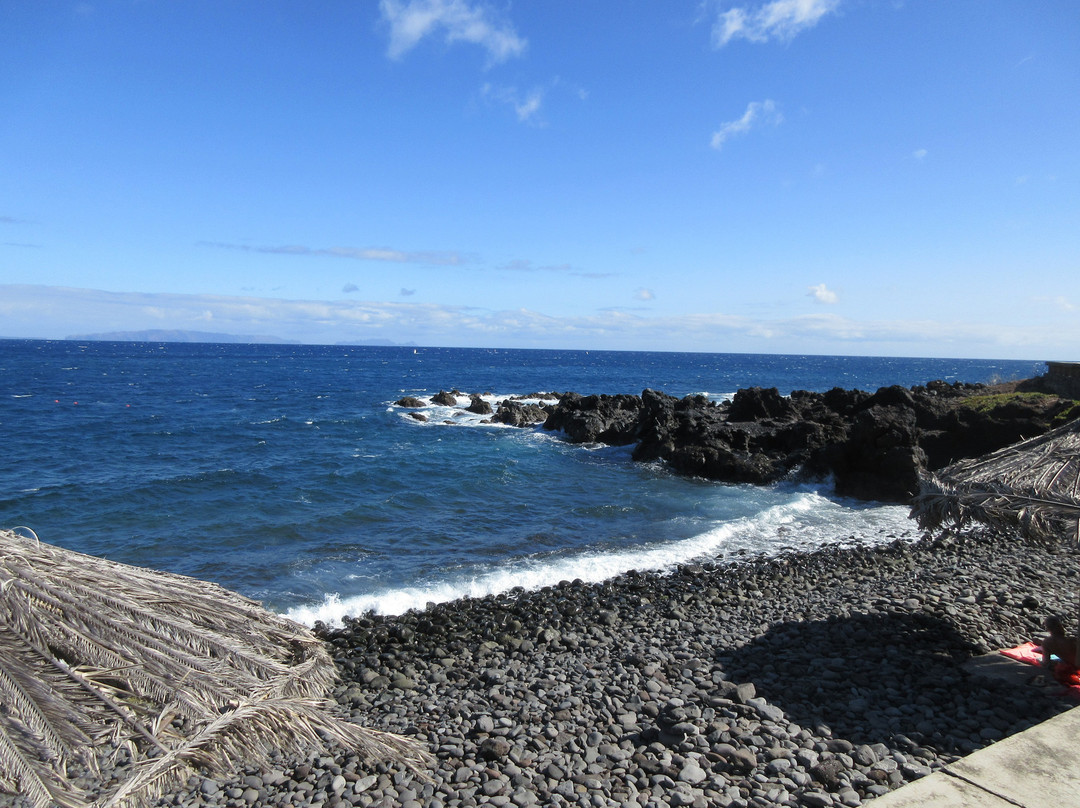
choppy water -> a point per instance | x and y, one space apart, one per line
285 472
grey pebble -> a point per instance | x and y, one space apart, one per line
816 680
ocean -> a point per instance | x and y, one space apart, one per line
286 473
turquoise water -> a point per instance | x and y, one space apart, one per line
286 473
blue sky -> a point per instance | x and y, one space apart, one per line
888 177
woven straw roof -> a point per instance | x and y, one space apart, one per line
176 673
1033 485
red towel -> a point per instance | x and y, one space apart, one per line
1028 652
1063 672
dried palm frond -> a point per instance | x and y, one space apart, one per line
1033 485
183 673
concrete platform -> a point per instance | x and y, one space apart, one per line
1036 768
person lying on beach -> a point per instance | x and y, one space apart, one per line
1057 643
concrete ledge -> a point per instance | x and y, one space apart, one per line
1036 768
940 790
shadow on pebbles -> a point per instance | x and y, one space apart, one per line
817 679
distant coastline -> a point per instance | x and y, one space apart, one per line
171 335
174 335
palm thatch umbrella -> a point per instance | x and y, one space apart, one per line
181 674
1033 486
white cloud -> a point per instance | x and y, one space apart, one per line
822 294
757 112
526 107
530 105
525 265
45 312
919 154
1059 302
442 258
645 294
456 20
779 19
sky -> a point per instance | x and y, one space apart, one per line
851 177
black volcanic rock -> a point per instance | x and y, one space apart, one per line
759 403
445 399
517 413
596 419
479 406
874 445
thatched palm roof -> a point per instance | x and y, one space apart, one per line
180 673
1033 485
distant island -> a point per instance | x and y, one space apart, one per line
166 335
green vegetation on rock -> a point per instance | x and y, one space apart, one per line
1070 408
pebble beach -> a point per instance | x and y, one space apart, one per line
804 679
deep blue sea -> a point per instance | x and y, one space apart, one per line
286 473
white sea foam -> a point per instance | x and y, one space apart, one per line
807 521
457 415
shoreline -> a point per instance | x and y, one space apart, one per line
818 679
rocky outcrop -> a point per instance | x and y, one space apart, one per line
517 413
478 406
874 446
597 419
445 399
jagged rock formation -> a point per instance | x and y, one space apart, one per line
873 445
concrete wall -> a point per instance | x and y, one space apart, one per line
1064 378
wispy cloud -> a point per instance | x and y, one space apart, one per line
779 19
1059 302
350 288
442 258
455 20
525 265
645 294
53 312
526 105
757 113
822 294
407 292
919 154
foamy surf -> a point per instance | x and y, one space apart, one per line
806 522
458 414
